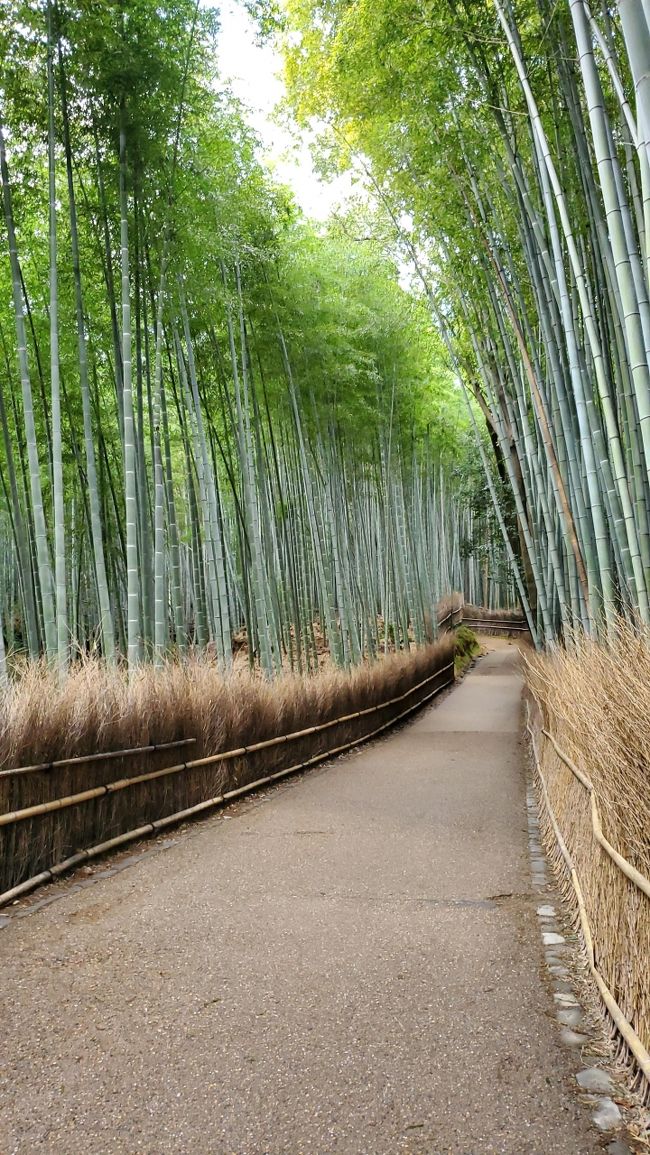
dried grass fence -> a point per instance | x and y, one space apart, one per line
213 736
590 728
503 623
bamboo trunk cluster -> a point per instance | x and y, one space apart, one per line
178 470
518 156
558 315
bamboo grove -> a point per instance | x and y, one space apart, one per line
515 133
220 429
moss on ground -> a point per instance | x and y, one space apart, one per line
467 648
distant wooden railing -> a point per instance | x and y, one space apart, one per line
496 625
450 620
484 621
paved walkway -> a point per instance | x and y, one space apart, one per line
351 963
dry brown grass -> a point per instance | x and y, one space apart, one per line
595 700
43 719
485 615
449 605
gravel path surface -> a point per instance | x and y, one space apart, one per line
348 963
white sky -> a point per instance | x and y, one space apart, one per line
255 75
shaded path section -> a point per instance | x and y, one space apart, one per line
351 963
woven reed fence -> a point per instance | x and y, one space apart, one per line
502 623
607 894
54 815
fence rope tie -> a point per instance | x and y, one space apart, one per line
623 1025
221 799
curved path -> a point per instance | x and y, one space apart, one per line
348 963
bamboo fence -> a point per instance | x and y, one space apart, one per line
40 839
607 894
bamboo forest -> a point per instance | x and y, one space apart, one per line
224 424
515 135
219 422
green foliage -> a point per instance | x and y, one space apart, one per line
299 389
467 648
513 137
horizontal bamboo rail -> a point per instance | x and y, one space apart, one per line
212 803
102 756
450 616
629 871
496 624
106 755
622 1024
12 816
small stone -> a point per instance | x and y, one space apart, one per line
550 938
564 987
546 911
4 921
552 959
572 1017
572 1038
593 1079
566 999
618 1147
607 1117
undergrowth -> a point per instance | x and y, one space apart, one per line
483 614
467 648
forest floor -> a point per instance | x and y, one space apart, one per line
349 962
